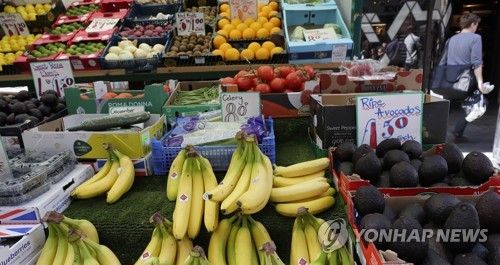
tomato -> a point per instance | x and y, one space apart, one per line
263 88
310 71
228 80
289 91
277 85
240 74
244 83
293 82
304 97
255 82
302 74
265 73
284 71
302 86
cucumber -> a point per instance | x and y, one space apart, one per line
111 121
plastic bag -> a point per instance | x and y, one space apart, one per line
474 106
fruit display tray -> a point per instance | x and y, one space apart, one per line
22 180
55 164
27 196
143 12
132 24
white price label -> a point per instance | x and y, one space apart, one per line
102 24
339 52
13 24
320 34
239 106
243 8
190 22
54 75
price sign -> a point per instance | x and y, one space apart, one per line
239 106
190 22
243 8
102 24
320 34
339 52
55 75
13 24
391 115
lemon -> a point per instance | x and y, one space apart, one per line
255 26
40 11
228 28
19 53
218 52
232 54
47 7
31 16
218 41
241 27
20 9
262 33
247 53
25 16
248 34
248 21
276 50
262 54
235 34
235 22
268 45
5 38
224 47
38 6
276 21
222 22
223 33
254 46
29 6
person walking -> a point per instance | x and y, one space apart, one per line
412 43
465 48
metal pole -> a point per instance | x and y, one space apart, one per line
428 48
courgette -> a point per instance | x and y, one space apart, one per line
111 121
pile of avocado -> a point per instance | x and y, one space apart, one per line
82 10
47 50
85 48
396 165
67 28
22 107
440 213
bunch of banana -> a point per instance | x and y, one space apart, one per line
302 185
248 182
61 247
241 240
115 178
308 236
197 257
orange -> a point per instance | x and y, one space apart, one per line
255 26
276 21
236 21
248 33
235 34
232 54
225 46
261 14
224 8
268 45
276 50
268 26
273 5
272 13
241 27
248 21
266 10
222 22
274 30
262 20
254 46
262 33
218 41
223 33
109 95
225 14
249 54
218 52
262 54
228 28
260 6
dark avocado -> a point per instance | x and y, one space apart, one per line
11 119
35 101
433 258
3 118
494 258
49 100
468 259
453 156
416 163
23 95
4 107
415 211
375 222
412 148
481 251
36 113
20 118
50 92
18 108
384 180
368 200
45 110
368 167
432 170
346 167
360 151
477 167
393 157
462 217
403 175
344 151
413 248
387 145
488 212
439 206
58 107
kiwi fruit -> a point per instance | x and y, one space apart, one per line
191 45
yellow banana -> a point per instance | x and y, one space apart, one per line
284 181
345 256
260 234
50 247
151 261
211 214
62 244
218 241
85 226
244 247
231 243
299 253
104 255
308 189
153 248
320 259
313 246
184 247
183 202
238 152
229 205
329 192
302 169
197 202
70 256
78 259
101 186
227 185
86 256
168 247
315 206
124 181
100 175
174 173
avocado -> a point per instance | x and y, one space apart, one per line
35 101
433 258
11 119
492 242
32 119
50 92
459 180
437 244
384 180
463 216
30 105
347 167
36 113
416 163
432 170
62 100
20 118
23 95
368 167
481 251
344 151
412 248
415 211
468 259
477 167
49 100
494 258
487 210
387 145
18 108
13 101
412 148
439 206
403 175
360 151
393 157
4 107
375 222
45 110
389 213
3 117
439 184
368 200
58 107
453 156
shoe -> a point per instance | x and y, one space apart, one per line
457 138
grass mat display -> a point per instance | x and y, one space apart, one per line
124 226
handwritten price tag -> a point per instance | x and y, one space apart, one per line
13 24
102 24
239 106
190 22
52 75
243 8
320 34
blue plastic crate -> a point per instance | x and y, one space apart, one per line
162 23
140 12
285 4
139 65
300 52
219 156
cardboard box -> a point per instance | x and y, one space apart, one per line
143 166
27 243
172 111
153 100
333 119
56 199
339 83
88 145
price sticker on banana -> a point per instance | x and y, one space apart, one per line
14 25
188 23
52 75
319 34
242 9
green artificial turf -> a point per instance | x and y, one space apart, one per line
124 226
